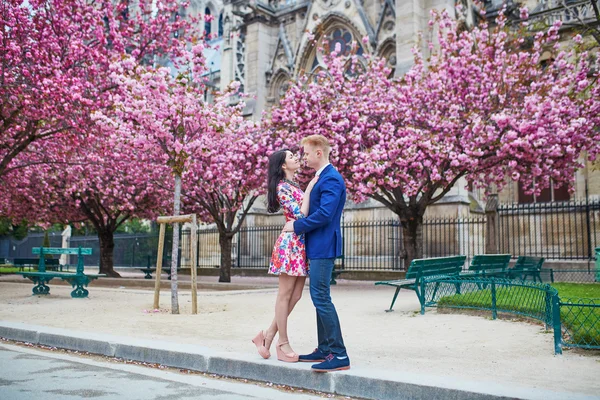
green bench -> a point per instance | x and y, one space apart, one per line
78 280
489 265
149 270
335 272
422 268
529 266
21 263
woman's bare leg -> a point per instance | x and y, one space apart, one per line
282 308
296 296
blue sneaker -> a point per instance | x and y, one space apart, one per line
332 363
315 356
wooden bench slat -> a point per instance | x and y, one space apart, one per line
528 266
86 251
399 282
490 264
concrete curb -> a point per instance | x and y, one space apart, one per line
357 382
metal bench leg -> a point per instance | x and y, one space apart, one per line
40 285
421 297
394 300
80 291
41 288
457 286
538 276
333 276
435 289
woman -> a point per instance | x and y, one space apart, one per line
288 260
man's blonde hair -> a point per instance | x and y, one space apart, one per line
319 141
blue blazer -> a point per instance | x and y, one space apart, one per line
322 226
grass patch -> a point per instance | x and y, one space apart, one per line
514 299
8 270
582 290
581 325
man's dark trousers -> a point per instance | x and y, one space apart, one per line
328 324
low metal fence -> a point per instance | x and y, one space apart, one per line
575 321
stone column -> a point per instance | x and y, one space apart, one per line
260 41
228 56
412 18
491 225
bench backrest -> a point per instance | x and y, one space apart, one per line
435 266
482 262
80 252
529 262
85 251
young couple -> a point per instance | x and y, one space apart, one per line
312 232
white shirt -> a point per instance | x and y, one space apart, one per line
321 169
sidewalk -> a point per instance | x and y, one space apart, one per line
394 355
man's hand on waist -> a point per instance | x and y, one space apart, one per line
289 226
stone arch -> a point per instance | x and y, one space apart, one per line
387 50
279 85
215 11
333 24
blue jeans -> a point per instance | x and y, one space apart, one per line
328 325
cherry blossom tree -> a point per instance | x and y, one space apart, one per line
217 159
55 56
228 175
481 107
164 119
101 182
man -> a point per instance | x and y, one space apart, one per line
323 245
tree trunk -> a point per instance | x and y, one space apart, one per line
225 243
107 247
412 234
175 248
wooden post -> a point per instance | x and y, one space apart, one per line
159 258
491 234
191 218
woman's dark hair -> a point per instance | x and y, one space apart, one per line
276 161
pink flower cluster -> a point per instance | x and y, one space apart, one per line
481 107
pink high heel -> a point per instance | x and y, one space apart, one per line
259 341
286 357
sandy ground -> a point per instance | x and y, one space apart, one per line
465 346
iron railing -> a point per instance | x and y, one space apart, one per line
555 231
575 321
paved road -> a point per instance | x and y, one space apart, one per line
30 374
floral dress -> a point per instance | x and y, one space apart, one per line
289 253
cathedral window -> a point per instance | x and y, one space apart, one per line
207 24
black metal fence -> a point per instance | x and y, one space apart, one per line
129 251
367 245
556 231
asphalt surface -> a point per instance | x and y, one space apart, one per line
29 374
